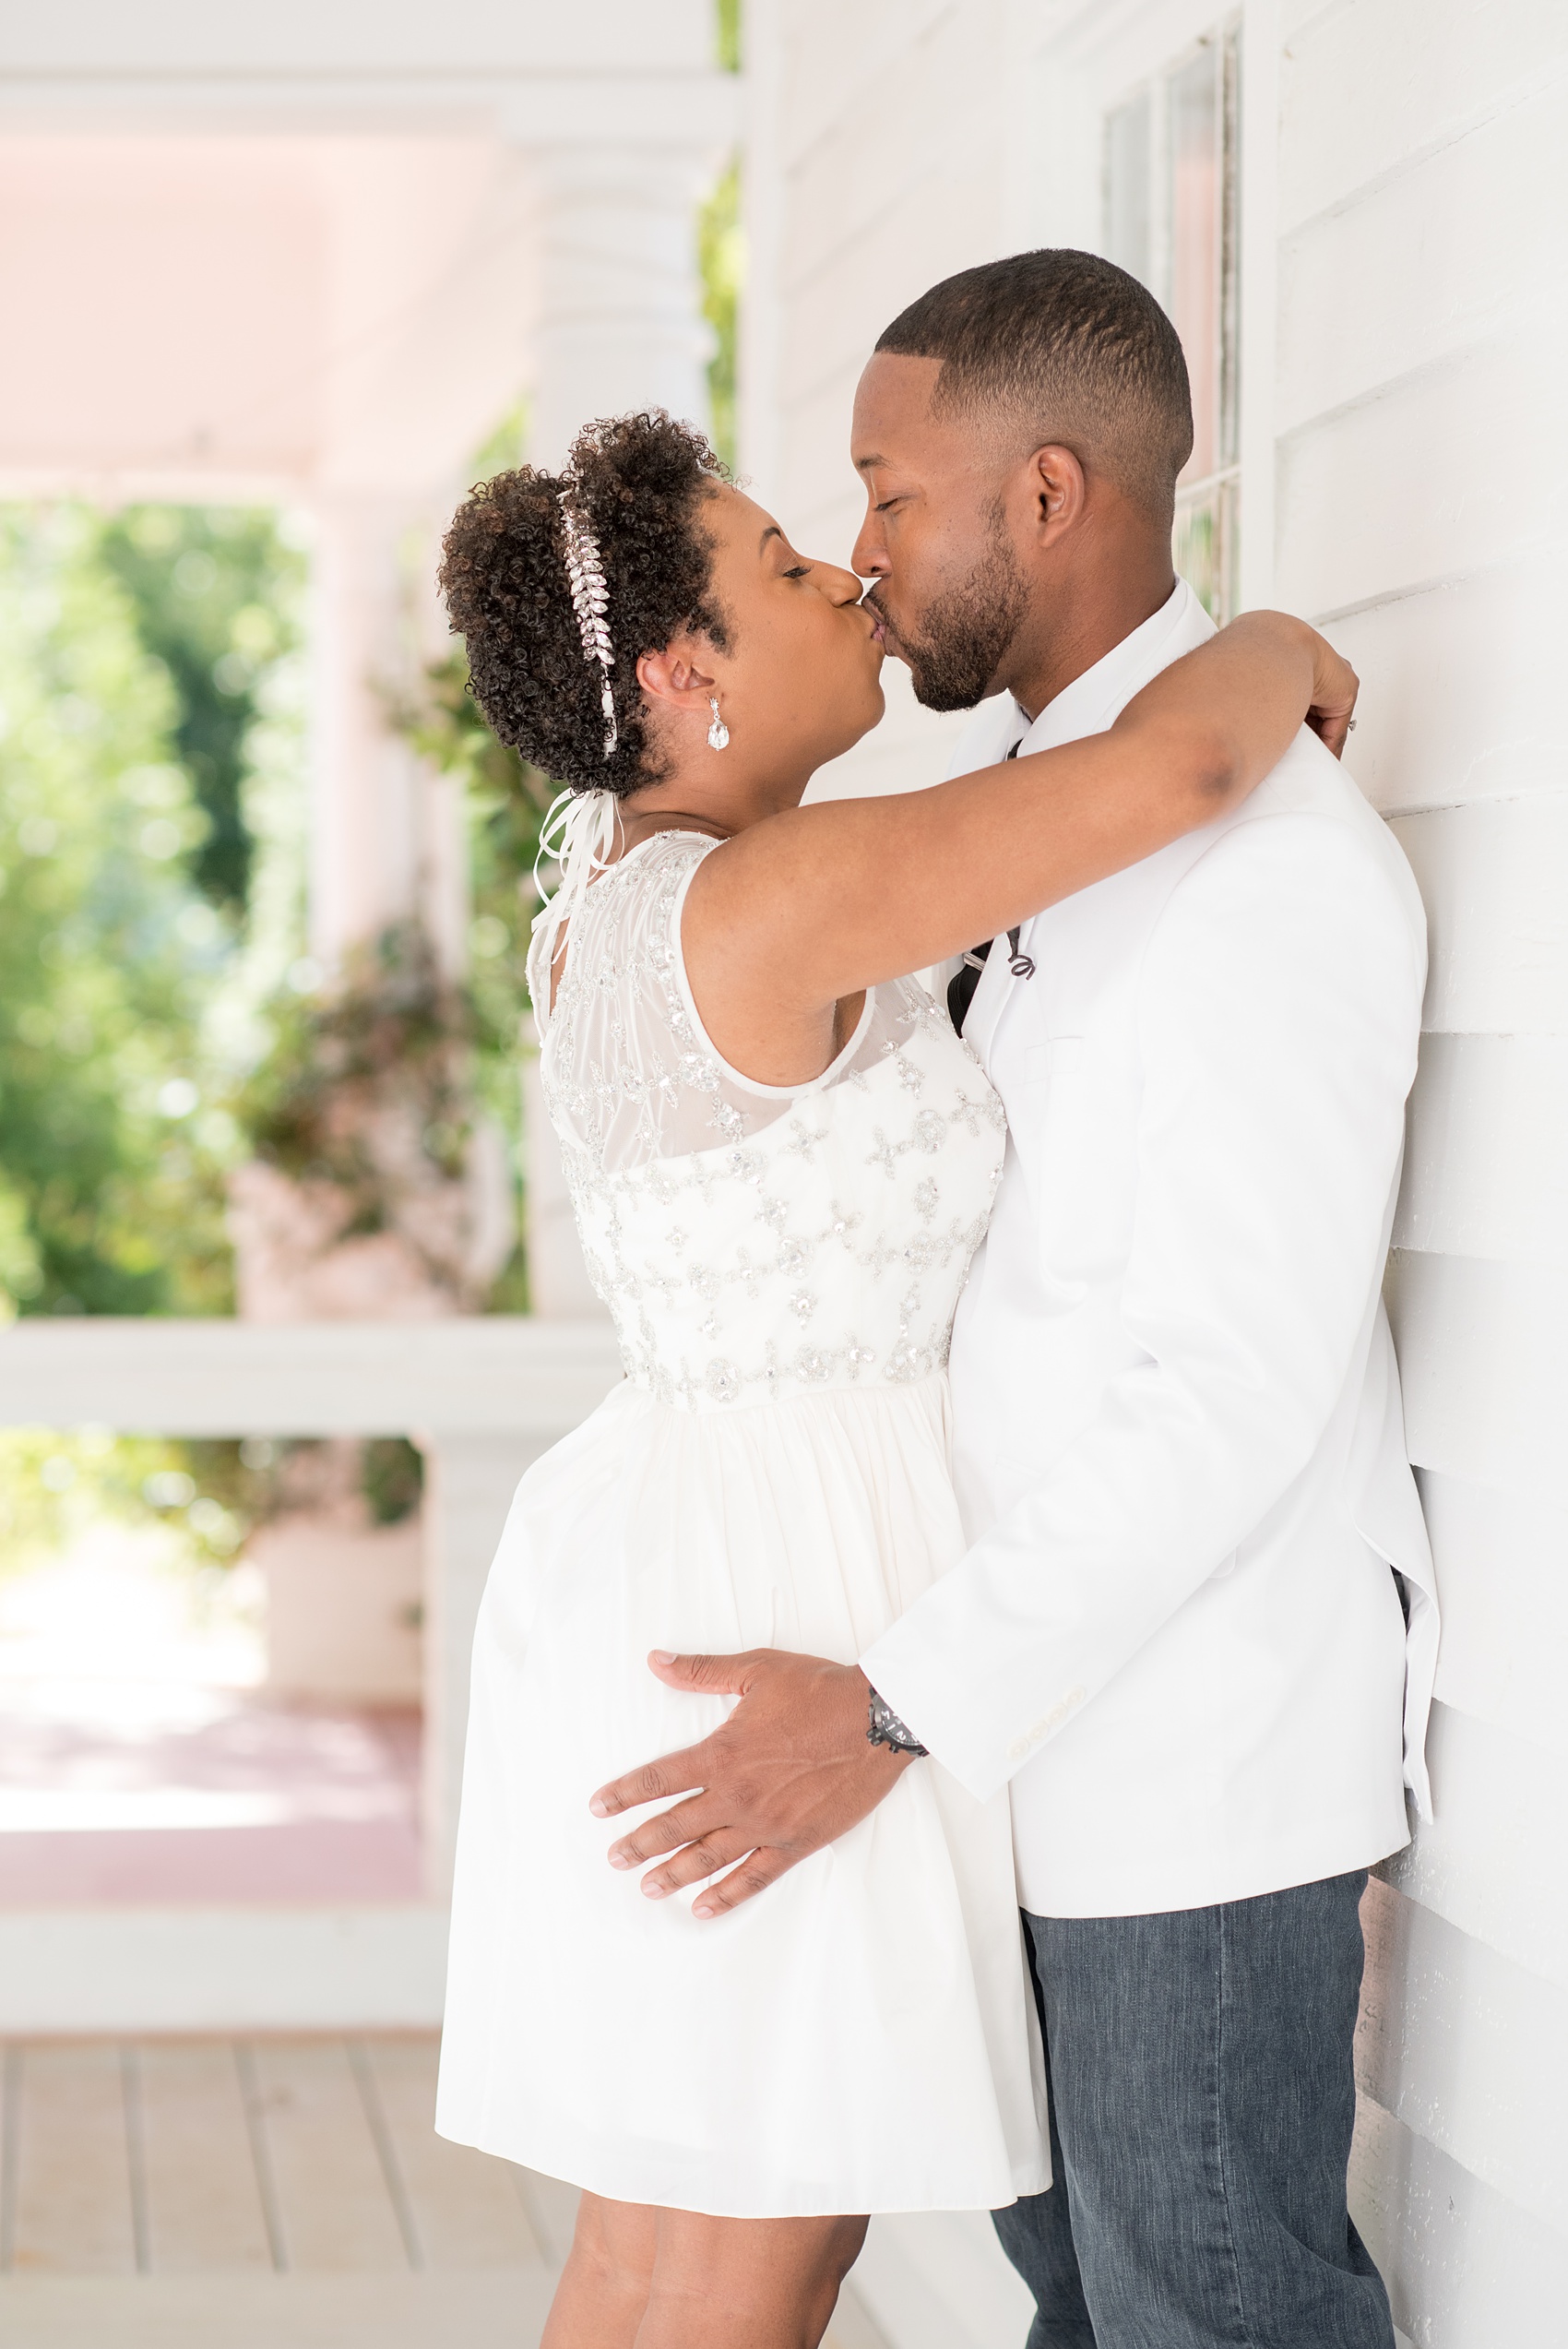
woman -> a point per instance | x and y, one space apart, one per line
782 1158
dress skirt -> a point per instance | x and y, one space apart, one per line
860 2036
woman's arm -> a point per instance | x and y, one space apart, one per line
798 913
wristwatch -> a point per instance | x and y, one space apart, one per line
886 1729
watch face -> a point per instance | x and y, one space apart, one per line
886 1729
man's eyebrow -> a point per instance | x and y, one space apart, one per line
865 464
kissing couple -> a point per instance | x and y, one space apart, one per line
1005 1507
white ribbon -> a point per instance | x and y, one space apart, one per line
577 835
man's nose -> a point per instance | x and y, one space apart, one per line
869 555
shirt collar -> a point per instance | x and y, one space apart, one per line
1093 700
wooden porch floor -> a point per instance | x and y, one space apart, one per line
266 2194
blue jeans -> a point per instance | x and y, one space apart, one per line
1202 2102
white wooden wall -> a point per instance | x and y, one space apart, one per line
1420 490
874 172
1404 354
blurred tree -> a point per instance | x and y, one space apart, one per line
54 1484
388 1027
505 800
110 1193
722 255
215 594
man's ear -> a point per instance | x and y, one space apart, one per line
675 675
1058 490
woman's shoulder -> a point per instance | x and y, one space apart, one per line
649 875
622 922
661 862
630 909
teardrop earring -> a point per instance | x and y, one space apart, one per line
718 733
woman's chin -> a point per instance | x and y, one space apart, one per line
853 725
872 716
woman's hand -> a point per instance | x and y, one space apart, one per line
1334 688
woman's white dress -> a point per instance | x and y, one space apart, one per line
782 1265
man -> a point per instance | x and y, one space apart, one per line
1178 1445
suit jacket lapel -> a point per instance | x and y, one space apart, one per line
1085 706
996 984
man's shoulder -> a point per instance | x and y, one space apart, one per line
1309 781
1307 825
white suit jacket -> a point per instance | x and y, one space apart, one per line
1178 1445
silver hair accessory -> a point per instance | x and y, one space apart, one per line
718 733
590 601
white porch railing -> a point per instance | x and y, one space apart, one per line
480 1399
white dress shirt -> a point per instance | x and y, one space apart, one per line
1179 1450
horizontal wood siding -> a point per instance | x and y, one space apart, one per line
891 177
1499 1556
1421 484
1420 498
1466 2267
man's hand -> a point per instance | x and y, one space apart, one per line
789 1770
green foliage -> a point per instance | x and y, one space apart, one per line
54 1485
391 1479
109 1183
721 253
721 258
443 724
506 448
506 800
390 1032
215 595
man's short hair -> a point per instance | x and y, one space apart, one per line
1070 349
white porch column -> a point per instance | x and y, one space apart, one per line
386 833
620 326
620 321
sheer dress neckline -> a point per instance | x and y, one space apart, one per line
543 999
629 1072
757 1242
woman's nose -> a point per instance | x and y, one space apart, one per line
843 587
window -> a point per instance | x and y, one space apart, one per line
1170 219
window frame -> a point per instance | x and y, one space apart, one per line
1210 556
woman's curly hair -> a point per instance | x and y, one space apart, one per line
638 483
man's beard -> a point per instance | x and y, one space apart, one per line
966 630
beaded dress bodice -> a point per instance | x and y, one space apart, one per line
752 1241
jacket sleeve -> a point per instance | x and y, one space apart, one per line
1279 1011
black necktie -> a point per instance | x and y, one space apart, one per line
966 978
